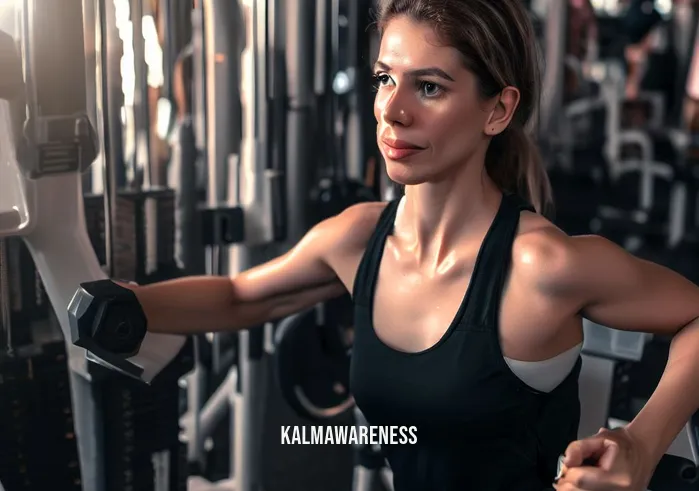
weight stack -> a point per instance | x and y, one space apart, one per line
141 430
143 232
38 450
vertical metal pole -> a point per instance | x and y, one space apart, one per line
144 150
300 85
197 378
552 90
140 101
170 46
93 176
110 124
355 156
320 74
199 85
223 22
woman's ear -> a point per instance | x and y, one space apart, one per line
503 111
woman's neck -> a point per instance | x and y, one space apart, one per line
436 216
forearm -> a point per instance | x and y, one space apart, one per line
675 399
188 305
200 304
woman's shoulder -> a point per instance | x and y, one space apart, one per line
362 216
353 227
539 242
547 257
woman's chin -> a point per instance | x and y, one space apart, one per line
405 175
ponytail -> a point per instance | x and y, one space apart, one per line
513 162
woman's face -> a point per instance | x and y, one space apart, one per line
430 117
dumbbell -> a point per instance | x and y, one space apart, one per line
108 321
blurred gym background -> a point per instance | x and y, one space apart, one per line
208 110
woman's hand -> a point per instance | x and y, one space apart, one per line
611 460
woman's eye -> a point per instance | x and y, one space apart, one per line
430 89
381 80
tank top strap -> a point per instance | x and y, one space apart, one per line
493 264
367 272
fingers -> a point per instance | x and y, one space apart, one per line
608 458
581 450
603 451
566 486
587 478
591 479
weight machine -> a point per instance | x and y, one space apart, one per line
43 203
247 218
53 142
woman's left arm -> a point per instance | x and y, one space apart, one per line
618 290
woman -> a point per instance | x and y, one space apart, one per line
469 303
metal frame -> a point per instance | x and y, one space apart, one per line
554 52
239 142
58 239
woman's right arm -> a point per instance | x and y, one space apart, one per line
288 284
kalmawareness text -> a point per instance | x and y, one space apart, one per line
349 435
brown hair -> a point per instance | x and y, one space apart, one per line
498 44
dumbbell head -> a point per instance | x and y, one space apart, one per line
108 321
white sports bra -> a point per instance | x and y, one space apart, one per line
545 375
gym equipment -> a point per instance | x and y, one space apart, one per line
360 131
144 240
674 474
57 144
369 464
254 214
250 214
36 407
341 181
220 65
14 205
647 111
332 196
189 252
143 448
11 85
312 364
24 301
108 321
553 81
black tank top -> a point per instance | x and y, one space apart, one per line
478 426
